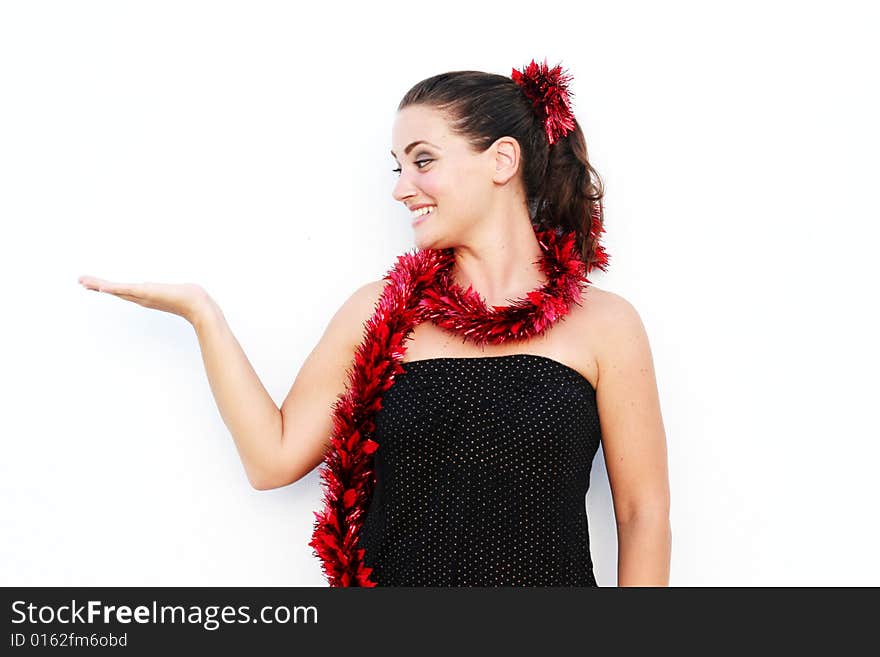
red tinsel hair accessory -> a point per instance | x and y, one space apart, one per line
547 89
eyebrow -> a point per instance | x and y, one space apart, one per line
413 145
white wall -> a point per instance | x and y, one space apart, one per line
244 146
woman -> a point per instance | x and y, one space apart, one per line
457 404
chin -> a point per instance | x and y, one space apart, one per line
424 241
428 240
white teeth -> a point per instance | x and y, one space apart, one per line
422 211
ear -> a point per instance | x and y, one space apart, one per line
507 159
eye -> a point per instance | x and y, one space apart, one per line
418 162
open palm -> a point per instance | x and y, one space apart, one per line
178 298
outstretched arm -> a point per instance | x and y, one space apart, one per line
276 446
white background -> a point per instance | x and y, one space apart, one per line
245 146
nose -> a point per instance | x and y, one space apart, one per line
403 189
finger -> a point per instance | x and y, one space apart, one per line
97 284
110 287
137 290
133 291
89 282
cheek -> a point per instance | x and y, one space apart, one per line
436 185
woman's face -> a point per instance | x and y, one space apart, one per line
442 171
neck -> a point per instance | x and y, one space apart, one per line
499 262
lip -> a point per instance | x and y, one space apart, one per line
418 220
413 208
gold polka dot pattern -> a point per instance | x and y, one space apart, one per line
482 473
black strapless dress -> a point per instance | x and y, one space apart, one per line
482 472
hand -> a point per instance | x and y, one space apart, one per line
184 299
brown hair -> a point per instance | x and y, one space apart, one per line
562 188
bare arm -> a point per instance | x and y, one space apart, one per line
277 447
634 444
280 446
245 405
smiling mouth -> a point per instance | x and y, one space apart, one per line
424 215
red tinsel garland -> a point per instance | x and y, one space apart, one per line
420 288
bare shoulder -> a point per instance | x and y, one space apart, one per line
358 308
306 413
610 309
616 324
367 295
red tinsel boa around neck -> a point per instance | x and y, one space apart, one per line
419 287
